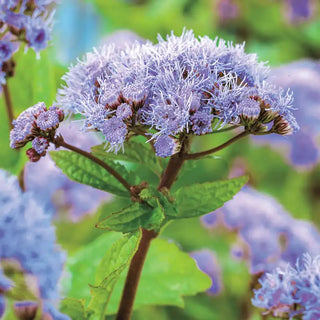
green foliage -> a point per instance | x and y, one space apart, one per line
168 275
82 265
135 216
73 308
116 259
136 152
83 170
199 199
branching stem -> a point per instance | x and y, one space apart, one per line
198 155
8 103
131 285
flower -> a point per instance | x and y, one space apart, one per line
36 124
23 22
28 243
267 235
181 85
298 10
293 290
207 262
302 149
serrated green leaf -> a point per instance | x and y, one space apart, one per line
82 265
202 198
136 152
135 216
168 275
74 308
116 259
83 170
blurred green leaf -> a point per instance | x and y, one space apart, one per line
83 170
116 259
135 216
199 199
82 265
136 152
73 308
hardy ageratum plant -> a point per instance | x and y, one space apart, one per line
163 94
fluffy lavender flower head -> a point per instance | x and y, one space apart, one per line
207 262
180 85
293 291
268 235
301 149
28 240
61 195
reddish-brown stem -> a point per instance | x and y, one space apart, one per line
133 276
8 103
216 149
131 285
59 142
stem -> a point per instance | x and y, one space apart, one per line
216 149
130 288
133 276
225 129
21 180
8 103
59 142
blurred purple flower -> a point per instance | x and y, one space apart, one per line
302 149
299 10
208 263
268 235
56 191
227 10
28 243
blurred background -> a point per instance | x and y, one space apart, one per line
284 32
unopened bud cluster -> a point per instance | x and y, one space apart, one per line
38 126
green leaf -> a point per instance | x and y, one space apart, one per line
135 216
116 259
83 170
199 199
168 275
136 152
82 265
73 308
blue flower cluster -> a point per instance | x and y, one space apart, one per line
63 195
267 235
28 241
27 21
36 124
293 291
178 86
303 77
